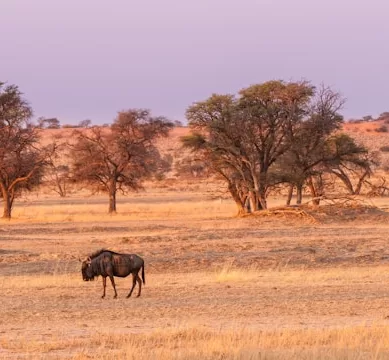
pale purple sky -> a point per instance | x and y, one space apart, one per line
88 59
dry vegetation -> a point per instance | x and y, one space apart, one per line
218 287
301 284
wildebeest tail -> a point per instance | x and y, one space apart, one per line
143 274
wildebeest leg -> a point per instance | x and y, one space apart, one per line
104 285
133 285
113 285
140 284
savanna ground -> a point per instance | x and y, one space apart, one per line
217 286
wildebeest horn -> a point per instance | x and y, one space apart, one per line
87 260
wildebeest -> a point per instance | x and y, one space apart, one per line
109 263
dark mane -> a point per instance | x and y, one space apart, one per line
98 252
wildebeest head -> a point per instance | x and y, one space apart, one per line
86 270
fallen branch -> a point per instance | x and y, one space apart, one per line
286 211
343 200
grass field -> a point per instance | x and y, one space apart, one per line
217 286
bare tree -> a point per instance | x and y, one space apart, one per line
120 157
21 159
57 175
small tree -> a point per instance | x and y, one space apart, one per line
57 175
48 123
120 157
368 118
21 160
384 115
85 123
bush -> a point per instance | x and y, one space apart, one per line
68 126
385 148
382 128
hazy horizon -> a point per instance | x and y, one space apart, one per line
88 59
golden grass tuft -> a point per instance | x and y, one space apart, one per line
237 343
229 273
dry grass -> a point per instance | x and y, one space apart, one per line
218 287
195 343
92 209
220 329
239 344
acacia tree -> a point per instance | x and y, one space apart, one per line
242 137
57 176
48 123
120 157
309 150
272 133
21 159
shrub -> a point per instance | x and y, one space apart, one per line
69 126
382 128
385 148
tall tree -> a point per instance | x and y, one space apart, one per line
21 158
272 133
120 157
242 137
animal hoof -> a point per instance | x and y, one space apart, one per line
115 297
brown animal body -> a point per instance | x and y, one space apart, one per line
109 264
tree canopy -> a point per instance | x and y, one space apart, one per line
120 157
21 158
269 133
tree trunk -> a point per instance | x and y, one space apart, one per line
346 181
290 195
315 194
238 201
360 182
253 201
241 208
262 190
8 200
299 195
112 201
262 202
